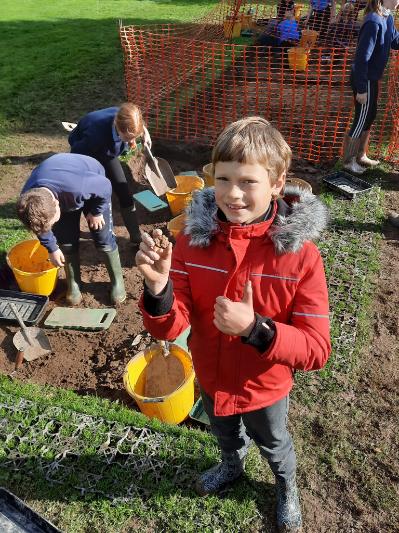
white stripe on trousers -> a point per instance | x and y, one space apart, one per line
363 115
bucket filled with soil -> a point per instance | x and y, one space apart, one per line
161 381
34 273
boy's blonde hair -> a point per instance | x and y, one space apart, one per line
35 208
129 120
253 140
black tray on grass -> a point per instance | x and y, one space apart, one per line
30 306
347 184
17 517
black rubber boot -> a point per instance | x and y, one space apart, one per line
130 220
289 516
72 274
113 264
218 477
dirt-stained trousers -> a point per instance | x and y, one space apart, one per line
267 427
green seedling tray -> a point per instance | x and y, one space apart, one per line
197 413
84 319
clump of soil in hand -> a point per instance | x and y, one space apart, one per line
161 241
163 376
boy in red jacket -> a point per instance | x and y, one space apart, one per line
249 280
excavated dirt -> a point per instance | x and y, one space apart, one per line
164 375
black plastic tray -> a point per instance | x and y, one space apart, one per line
347 184
17 517
30 306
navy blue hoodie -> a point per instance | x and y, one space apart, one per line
94 136
76 181
376 38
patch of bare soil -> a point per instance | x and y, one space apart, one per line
363 422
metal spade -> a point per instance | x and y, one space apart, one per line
32 341
158 173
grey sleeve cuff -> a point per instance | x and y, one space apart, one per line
158 304
262 334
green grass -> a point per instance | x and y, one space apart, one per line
351 257
60 59
47 423
11 229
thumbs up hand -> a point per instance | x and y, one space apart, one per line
235 318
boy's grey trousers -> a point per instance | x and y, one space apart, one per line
267 427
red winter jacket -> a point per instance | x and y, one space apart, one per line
216 258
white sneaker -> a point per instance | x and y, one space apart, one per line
354 167
367 162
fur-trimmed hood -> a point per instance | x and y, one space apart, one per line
300 217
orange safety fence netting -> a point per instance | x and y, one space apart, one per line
192 79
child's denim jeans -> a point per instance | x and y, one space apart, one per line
267 427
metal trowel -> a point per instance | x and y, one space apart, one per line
158 173
31 341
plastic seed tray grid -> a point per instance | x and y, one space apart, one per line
86 453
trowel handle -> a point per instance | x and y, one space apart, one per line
21 323
165 348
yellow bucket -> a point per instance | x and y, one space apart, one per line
176 225
298 182
209 178
231 29
31 268
247 21
308 38
298 10
297 58
174 407
180 196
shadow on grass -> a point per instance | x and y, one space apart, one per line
34 159
359 227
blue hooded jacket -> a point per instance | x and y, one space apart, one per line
96 136
77 181
376 38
